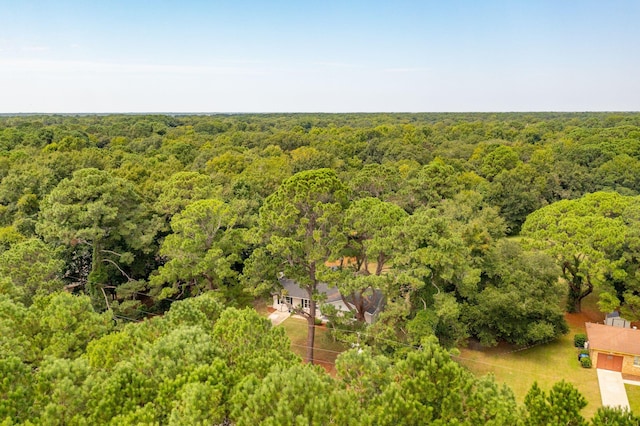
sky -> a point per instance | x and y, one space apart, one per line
87 56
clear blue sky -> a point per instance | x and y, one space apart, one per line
319 56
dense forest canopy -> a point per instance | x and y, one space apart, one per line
130 243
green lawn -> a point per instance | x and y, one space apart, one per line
325 349
633 393
545 364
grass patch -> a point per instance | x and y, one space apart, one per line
546 364
633 394
325 349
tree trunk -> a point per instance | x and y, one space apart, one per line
577 293
380 265
209 279
576 282
358 299
574 302
96 277
311 330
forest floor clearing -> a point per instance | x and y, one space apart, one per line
547 363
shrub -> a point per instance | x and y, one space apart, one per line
317 321
579 339
586 362
583 353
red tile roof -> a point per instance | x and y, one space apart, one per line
613 339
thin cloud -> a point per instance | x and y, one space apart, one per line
405 69
329 64
60 66
34 48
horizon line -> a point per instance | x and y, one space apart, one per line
314 112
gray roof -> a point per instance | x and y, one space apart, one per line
333 295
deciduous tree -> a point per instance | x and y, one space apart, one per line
202 249
586 237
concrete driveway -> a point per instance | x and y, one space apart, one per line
278 317
612 389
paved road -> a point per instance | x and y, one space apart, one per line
612 389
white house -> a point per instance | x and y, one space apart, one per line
292 296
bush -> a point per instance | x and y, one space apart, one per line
579 339
586 362
317 321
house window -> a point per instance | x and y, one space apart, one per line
288 300
305 303
636 361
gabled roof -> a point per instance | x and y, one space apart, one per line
613 339
294 290
332 293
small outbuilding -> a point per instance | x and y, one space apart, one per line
615 320
614 348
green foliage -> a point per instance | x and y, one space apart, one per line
428 387
202 311
301 224
33 268
369 226
579 339
614 416
498 159
433 254
180 190
63 324
517 193
93 207
587 237
249 342
99 210
61 394
429 186
16 389
520 299
415 205
201 251
561 405
585 362
288 396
